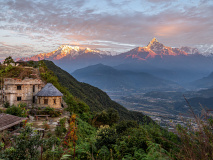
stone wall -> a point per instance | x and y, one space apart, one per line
54 102
17 90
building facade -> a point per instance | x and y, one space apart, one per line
17 90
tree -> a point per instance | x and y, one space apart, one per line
106 117
24 146
106 136
71 137
8 60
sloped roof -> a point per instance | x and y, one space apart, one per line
7 121
49 91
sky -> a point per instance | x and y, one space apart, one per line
29 27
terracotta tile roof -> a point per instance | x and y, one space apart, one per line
49 91
7 121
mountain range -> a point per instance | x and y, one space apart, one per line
180 65
153 49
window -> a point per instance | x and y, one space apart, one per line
33 99
18 87
45 101
6 87
18 98
39 101
33 88
54 101
5 98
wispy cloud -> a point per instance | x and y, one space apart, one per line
110 23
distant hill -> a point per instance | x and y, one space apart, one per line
206 92
205 82
92 96
110 79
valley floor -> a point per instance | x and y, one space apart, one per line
160 110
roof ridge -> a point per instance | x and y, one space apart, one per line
49 90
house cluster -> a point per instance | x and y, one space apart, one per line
33 92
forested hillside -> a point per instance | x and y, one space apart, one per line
98 134
92 96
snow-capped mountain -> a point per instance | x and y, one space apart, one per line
206 49
155 58
66 51
153 49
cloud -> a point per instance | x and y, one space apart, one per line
106 24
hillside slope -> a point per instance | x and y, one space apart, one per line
110 79
94 97
205 82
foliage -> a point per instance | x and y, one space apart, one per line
19 111
123 126
52 148
25 146
106 117
196 143
71 137
8 60
49 111
19 72
106 136
61 128
59 131
62 121
55 153
46 126
33 64
6 104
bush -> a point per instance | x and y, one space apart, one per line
7 104
106 136
46 126
106 117
59 131
17 111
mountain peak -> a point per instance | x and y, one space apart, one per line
68 47
153 40
155 45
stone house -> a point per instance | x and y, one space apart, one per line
33 92
17 90
49 96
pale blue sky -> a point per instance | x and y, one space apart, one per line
38 26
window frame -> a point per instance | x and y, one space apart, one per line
45 101
19 87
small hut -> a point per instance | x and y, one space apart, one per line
10 122
49 96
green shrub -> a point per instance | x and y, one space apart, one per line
17 111
6 104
